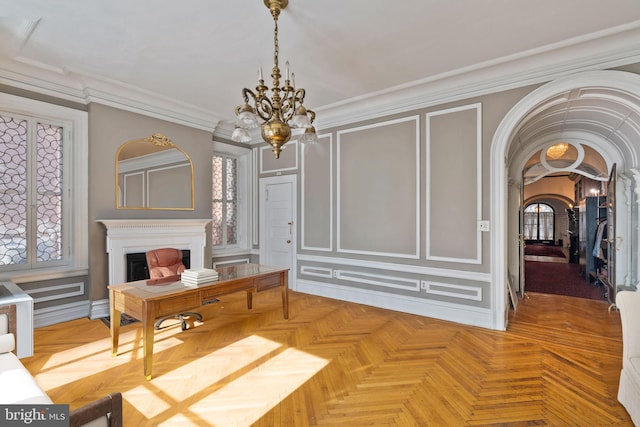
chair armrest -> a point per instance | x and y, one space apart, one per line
108 407
8 328
7 343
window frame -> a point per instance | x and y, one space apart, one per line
537 212
75 200
244 180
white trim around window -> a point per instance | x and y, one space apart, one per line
75 153
245 185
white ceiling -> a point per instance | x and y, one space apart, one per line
197 55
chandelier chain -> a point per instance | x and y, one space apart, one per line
276 49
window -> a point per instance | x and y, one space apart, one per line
225 201
230 191
31 189
43 193
538 222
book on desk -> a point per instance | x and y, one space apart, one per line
195 277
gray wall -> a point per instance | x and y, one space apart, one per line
389 207
108 129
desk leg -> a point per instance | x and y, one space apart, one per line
114 324
284 280
147 338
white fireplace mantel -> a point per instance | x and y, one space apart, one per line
125 236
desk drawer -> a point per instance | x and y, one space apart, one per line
176 304
225 288
267 282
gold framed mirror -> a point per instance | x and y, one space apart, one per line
153 173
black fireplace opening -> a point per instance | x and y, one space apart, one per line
137 268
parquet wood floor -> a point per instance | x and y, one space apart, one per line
335 363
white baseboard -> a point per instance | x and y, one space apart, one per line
99 309
60 313
457 313
464 314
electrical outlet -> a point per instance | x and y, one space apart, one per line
483 225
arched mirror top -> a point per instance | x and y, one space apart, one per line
153 173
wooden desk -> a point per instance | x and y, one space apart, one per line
148 303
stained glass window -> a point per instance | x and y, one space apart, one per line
31 192
225 201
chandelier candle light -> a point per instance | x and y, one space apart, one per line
279 114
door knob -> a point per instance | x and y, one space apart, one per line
288 241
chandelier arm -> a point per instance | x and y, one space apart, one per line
299 95
246 94
293 99
264 108
288 107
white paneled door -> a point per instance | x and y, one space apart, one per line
278 223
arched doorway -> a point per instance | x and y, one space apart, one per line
599 110
570 179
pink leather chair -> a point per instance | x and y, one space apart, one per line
165 263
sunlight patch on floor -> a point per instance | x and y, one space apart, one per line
150 398
127 341
232 386
248 398
97 358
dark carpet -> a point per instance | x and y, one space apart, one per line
559 278
544 250
125 319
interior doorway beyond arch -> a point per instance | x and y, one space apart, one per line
538 120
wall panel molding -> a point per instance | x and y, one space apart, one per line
405 268
288 160
56 292
451 290
453 148
316 206
326 273
379 214
393 282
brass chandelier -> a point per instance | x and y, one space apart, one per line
280 113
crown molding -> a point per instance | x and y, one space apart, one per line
600 50
131 98
84 88
40 79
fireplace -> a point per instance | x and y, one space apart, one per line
137 268
141 235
